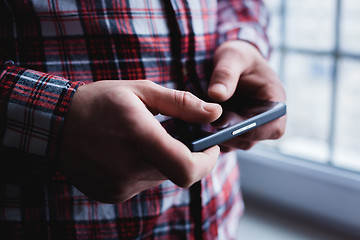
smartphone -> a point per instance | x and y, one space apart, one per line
239 116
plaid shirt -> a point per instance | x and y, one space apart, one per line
67 43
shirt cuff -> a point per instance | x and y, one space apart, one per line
33 106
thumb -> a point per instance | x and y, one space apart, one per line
178 104
171 157
229 63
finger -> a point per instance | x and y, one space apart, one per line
229 64
237 143
225 77
181 166
172 158
262 84
226 149
178 104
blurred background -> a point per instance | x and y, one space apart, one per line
313 172
317 55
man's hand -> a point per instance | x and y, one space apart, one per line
113 147
240 69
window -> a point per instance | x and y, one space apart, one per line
317 55
314 170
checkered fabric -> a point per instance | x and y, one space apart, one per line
56 46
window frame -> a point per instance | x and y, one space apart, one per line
336 55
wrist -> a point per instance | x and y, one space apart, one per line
244 52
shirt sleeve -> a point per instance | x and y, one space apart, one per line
244 20
33 106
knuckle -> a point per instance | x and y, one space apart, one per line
279 128
186 183
147 83
247 145
278 133
224 72
184 98
252 134
188 177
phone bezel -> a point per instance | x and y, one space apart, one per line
199 144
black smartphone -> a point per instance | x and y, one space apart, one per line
239 116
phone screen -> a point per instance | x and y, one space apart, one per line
239 116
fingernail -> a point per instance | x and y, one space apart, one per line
219 88
211 107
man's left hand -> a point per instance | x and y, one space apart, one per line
240 69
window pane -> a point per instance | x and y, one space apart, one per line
310 24
308 86
347 135
350 22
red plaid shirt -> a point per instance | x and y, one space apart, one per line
67 43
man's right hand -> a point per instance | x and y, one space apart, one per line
113 147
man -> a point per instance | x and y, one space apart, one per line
76 114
